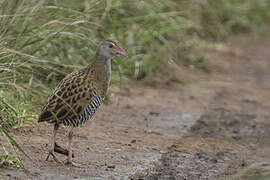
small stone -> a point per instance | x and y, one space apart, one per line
140 174
163 152
133 141
214 160
111 178
111 166
155 149
191 97
265 164
128 106
153 113
237 138
124 157
235 131
220 154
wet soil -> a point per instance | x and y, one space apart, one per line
209 128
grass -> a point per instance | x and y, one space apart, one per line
254 172
43 40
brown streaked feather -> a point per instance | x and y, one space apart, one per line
70 98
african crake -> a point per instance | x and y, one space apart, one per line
78 96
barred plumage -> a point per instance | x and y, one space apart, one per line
79 95
88 112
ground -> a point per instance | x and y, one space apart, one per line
210 127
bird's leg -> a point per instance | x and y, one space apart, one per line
70 134
69 159
53 142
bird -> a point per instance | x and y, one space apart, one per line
79 95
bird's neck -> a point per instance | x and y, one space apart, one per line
102 73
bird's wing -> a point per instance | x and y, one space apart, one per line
73 102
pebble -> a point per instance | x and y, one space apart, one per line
153 113
111 166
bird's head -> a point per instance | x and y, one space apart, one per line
109 48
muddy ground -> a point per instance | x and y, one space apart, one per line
208 128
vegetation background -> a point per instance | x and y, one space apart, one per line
43 40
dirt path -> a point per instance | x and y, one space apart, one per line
203 130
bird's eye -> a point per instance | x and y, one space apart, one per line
111 46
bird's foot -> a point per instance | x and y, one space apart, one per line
54 157
71 163
60 150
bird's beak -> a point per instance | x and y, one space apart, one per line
121 52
